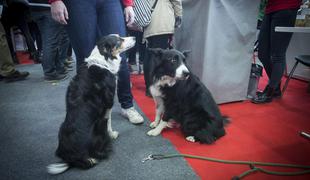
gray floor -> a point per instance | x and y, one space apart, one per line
31 112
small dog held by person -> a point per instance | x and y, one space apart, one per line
179 95
85 135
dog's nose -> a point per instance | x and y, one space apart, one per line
186 74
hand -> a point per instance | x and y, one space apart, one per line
59 12
178 22
129 15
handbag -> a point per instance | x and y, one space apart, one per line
256 73
143 14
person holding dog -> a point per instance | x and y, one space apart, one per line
272 45
167 16
87 21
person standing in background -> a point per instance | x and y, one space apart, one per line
272 45
87 21
8 73
55 41
16 13
166 16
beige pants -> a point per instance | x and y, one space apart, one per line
6 62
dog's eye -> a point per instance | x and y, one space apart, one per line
173 60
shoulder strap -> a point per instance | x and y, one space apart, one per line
154 5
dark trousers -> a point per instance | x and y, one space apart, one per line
16 15
273 45
55 42
35 34
139 47
159 41
88 20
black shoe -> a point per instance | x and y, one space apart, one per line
277 92
265 97
65 71
55 78
16 76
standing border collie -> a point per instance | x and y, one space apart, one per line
180 96
85 135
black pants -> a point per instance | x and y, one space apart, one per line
16 15
139 47
273 45
159 41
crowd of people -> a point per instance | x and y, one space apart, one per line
53 28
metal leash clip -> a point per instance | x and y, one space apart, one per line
153 157
149 157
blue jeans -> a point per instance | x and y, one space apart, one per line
88 20
55 42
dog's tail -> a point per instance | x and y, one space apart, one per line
57 168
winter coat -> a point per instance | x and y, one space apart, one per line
163 17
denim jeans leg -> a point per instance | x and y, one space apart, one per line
82 27
63 45
47 27
111 21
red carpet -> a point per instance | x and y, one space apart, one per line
266 133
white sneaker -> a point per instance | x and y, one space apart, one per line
132 115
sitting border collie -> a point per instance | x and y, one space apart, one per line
85 135
180 96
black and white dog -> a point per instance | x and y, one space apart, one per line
180 96
85 135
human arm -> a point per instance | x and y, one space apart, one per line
128 11
59 11
177 7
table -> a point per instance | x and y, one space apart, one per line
293 29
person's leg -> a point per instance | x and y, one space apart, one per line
264 44
23 26
7 69
8 24
82 27
6 63
48 28
111 21
140 46
36 34
132 52
279 43
63 45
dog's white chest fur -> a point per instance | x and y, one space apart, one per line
97 59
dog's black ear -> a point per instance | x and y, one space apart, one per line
186 53
156 51
104 48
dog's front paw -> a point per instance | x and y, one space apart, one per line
113 134
153 132
153 124
190 138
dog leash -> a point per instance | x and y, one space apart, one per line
252 165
